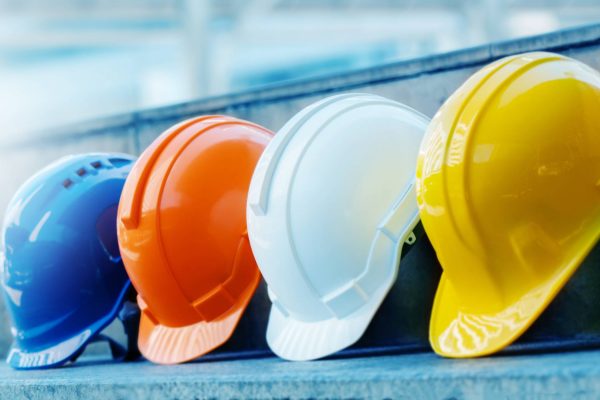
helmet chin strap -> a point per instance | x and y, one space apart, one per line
130 318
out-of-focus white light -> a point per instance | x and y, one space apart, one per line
524 23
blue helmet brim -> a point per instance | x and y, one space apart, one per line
52 356
62 352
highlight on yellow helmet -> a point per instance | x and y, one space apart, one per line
508 186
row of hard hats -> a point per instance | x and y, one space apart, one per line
506 181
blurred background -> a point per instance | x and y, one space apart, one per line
65 61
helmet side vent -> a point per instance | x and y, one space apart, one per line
119 162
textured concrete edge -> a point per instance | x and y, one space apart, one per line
547 387
471 57
422 375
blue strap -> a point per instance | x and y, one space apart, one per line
130 318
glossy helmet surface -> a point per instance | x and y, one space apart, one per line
508 184
182 233
63 280
331 205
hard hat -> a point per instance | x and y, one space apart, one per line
182 233
330 205
508 184
62 277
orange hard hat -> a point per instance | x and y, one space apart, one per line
183 239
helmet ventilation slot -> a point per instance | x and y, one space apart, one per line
119 162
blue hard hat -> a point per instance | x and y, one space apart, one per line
62 276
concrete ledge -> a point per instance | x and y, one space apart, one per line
423 376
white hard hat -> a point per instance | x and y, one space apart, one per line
331 203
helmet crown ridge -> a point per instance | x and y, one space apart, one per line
131 209
259 195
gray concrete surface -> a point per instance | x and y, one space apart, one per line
417 376
421 83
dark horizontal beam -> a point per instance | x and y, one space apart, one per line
472 57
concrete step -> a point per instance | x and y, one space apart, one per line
574 375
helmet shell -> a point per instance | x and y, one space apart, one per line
182 233
62 278
331 203
508 187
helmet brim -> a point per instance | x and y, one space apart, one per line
173 345
60 353
457 333
296 340
51 356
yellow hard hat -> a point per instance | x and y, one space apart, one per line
508 185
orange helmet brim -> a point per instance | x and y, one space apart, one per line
172 345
